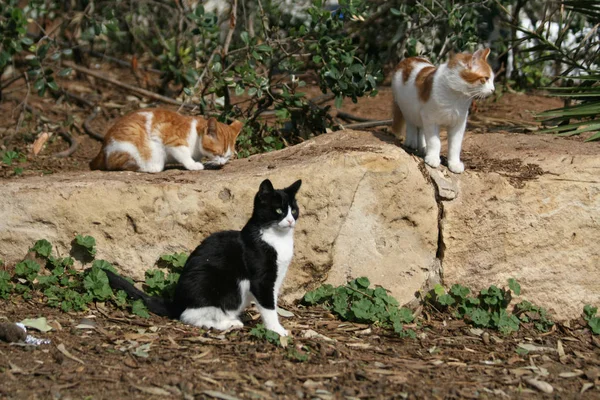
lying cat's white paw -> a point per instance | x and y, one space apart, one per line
432 161
197 166
456 167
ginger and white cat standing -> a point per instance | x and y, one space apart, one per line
427 98
147 139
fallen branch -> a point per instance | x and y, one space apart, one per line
73 144
371 124
350 117
131 88
88 129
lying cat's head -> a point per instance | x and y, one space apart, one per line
218 140
276 207
470 74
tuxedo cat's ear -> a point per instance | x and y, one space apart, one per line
293 188
482 54
211 127
236 126
266 188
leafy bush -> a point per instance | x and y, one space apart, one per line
60 285
356 302
489 309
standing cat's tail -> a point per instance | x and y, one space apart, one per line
398 124
156 305
99 162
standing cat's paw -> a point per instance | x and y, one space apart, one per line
432 161
197 166
279 330
456 167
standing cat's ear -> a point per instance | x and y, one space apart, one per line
266 188
237 127
482 54
211 127
293 188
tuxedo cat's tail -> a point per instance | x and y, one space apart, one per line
155 305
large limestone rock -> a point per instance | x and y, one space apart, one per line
527 207
542 231
366 209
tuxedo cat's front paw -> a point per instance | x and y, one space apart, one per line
456 167
432 161
196 166
279 330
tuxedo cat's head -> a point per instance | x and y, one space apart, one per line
471 74
276 207
218 140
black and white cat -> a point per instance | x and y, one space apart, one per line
231 268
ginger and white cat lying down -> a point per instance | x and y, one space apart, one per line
147 139
427 98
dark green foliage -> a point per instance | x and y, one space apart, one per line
489 309
530 313
292 353
260 332
62 286
356 302
43 248
592 318
163 285
88 243
174 262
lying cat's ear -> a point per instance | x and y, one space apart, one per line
482 54
236 126
266 188
293 188
211 127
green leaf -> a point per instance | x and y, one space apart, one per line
439 290
514 286
43 248
363 282
245 38
65 72
87 242
139 308
480 318
338 101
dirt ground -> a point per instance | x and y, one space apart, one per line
134 358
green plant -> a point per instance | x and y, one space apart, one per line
62 286
356 302
292 352
593 320
6 287
260 332
10 156
487 310
530 313
174 262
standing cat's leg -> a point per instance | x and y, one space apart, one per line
421 143
182 155
267 306
455 138
412 136
432 138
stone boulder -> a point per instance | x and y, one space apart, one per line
528 209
